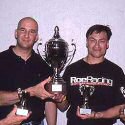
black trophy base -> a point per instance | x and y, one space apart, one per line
22 112
56 86
84 111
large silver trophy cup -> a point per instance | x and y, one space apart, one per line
58 56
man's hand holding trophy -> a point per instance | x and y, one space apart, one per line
57 56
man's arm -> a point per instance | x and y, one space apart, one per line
51 108
39 90
110 113
8 98
51 113
63 104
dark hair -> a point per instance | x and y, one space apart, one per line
99 28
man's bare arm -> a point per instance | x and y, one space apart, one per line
8 98
51 113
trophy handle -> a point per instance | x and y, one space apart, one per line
92 89
70 57
42 56
122 89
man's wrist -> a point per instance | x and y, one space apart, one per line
30 90
98 115
64 99
4 121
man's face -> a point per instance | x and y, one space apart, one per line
97 44
26 34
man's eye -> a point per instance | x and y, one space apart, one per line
92 40
22 30
102 41
33 31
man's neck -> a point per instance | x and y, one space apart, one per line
23 53
92 60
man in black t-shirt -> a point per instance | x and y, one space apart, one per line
21 67
103 76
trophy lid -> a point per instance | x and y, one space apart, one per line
56 37
56 34
57 42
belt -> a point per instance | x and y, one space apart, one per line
32 123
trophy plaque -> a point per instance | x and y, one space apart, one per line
21 107
57 56
86 91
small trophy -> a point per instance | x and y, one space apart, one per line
21 108
57 56
86 91
123 92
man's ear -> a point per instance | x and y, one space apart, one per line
86 43
37 38
107 45
15 34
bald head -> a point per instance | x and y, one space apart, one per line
28 19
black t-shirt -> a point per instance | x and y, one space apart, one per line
17 73
106 77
